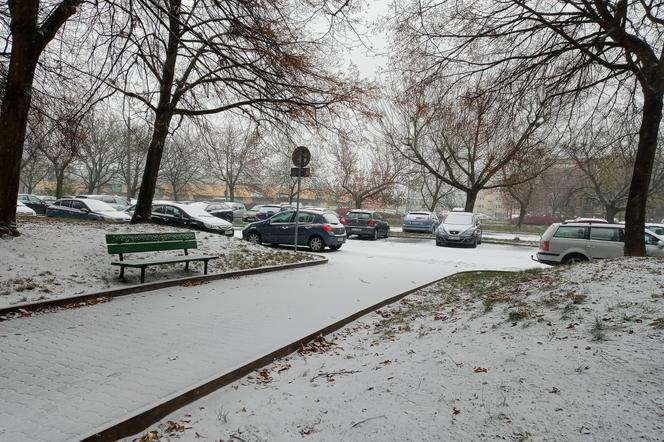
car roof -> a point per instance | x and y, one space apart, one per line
588 223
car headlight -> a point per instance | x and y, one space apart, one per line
468 232
211 226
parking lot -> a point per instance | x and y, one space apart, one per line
71 372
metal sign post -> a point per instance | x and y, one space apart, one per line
301 157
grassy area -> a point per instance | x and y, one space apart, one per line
460 291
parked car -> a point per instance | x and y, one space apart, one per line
569 243
366 223
220 210
238 209
86 209
463 228
48 199
268 210
117 202
656 228
33 202
22 209
189 215
316 230
579 219
420 221
250 215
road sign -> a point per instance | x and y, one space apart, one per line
301 156
300 172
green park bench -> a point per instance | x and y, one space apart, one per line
120 244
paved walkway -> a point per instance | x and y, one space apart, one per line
67 374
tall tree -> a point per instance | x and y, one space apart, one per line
467 137
99 154
32 28
205 57
233 154
571 47
182 165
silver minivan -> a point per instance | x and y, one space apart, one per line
568 243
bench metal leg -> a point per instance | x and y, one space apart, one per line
186 265
142 275
121 272
205 267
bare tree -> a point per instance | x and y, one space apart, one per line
606 159
33 166
100 153
64 133
32 27
183 164
364 174
466 139
575 48
207 57
233 154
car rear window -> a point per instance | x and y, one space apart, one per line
330 218
358 215
571 232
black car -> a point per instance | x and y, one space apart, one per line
268 210
316 230
220 210
189 215
33 202
366 223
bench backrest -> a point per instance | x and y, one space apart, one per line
119 243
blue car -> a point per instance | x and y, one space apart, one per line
317 230
420 221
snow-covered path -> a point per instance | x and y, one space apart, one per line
69 373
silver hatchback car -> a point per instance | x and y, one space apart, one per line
568 243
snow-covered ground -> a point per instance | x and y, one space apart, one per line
556 354
54 258
72 371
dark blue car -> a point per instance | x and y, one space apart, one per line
317 230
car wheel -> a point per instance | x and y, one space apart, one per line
254 237
480 240
387 233
574 258
439 243
316 244
335 248
474 244
374 237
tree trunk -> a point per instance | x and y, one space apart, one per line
471 197
175 195
635 212
59 182
15 107
610 213
162 120
231 192
358 202
522 215
151 172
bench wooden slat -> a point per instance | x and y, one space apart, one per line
157 261
122 238
150 246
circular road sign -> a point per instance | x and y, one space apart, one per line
301 156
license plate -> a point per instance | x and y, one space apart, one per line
355 230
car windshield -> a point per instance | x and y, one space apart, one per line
330 218
99 206
256 208
462 219
359 215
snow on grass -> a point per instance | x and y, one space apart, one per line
57 257
574 353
